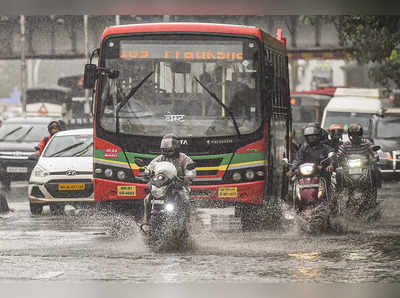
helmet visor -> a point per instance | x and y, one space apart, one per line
311 131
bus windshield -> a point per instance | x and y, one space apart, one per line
170 99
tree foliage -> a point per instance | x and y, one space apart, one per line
371 39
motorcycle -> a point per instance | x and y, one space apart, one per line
312 198
361 186
170 214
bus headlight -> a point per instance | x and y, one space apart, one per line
250 174
260 173
236 176
108 173
121 175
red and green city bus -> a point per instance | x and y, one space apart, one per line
222 89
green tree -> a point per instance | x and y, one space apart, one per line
371 39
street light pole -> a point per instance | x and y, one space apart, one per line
117 20
85 25
23 64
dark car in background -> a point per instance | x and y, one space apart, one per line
18 137
385 132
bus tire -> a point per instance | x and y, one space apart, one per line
250 217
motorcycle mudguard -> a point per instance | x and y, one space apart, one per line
308 195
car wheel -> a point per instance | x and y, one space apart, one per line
36 209
56 209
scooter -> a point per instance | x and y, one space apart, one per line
312 198
170 214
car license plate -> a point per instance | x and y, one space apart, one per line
71 186
126 191
227 192
355 171
17 170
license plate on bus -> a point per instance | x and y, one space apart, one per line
74 186
17 170
355 171
227 192
126 191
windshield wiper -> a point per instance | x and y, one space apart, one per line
83 151
10 133
127 98
25 134
66 149
228 110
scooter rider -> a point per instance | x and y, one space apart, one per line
313 151
360 145
170 152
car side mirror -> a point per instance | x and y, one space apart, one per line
90 76
191 166
376 148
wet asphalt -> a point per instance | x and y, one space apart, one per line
85 245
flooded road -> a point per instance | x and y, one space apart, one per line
82 246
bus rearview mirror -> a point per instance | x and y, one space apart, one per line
90 76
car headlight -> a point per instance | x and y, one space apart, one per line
158 192
306 170
39 172
355 163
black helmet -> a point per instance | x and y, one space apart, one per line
53 124
170 145
312 134
355 132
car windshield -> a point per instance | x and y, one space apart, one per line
388 128
171 99
23 132
69 146
347 118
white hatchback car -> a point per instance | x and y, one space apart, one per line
63 173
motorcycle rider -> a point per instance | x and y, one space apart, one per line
313 151
53 127
362 146
335 135
170 146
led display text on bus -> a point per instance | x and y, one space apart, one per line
137 51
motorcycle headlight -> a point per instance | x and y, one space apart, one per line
306 170
158 192
355 163
169 207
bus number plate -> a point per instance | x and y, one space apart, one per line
71 187
126 191
227 192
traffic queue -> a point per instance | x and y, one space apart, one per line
335 171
